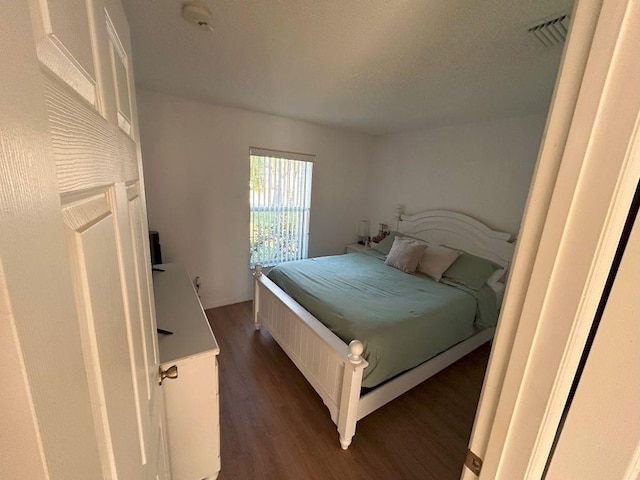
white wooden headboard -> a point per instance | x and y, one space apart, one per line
459 231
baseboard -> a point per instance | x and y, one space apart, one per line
221 302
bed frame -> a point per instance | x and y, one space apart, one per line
335 369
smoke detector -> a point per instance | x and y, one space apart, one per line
197 14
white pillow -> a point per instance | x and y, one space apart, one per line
405 254
436 259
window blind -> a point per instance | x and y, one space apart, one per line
280 202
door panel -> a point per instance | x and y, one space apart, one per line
15 396
140 369
121 78
64 43
99 288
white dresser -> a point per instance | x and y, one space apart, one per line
191 399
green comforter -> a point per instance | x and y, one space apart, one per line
402 320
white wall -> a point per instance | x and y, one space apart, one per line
196 161
197 168
481 169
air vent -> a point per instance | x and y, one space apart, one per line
551 32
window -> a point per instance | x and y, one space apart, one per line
280 198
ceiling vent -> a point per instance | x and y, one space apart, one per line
552 31
198 14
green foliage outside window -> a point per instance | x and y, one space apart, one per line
275 235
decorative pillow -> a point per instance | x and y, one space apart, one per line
385 245
470 271
436 259
405 254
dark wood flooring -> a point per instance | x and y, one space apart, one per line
274 425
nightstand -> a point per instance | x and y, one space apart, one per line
356 247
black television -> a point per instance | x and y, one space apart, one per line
154 247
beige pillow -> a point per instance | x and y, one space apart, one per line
405 254
436 259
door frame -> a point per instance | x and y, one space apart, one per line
588 168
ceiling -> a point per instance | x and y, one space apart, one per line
375 66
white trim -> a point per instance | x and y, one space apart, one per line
54 55
117 48
115 39
123 123
45 16
265 152
208 302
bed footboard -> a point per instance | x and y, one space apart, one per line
329 365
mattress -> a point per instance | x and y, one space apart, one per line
402 320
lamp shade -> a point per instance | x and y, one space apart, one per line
363 228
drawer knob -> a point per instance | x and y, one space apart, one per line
171 372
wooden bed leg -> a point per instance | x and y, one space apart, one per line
256 296
351 384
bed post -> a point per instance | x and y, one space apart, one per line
256 295
351 384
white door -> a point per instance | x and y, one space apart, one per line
76 305
587 172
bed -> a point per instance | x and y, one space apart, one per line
409 327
